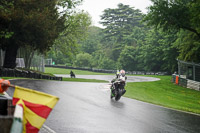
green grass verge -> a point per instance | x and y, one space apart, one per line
84 80
165 93
67 71
65 79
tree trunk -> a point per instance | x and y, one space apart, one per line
10 56
30 59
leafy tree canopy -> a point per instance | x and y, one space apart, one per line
92 42
66 45
188 45
120 21
83 59
175 14
31 23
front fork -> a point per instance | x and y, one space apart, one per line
112 89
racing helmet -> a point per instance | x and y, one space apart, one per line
122 72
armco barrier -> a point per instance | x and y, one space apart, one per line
4 72
193 85
173 78
185 82
182 82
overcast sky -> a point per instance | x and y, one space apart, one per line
95 7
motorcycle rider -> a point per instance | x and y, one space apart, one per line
119 77
117 74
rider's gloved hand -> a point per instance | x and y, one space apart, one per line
4 84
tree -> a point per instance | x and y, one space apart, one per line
182 16
136 37
188 45
5 7
66 45
175 14
127 59
27 53
33 23
120 21
83 60
90 44
106 63
158 53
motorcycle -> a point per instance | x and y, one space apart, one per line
117 89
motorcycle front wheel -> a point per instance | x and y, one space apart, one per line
112 93
118 95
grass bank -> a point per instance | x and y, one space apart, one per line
53 70
165 93
65 79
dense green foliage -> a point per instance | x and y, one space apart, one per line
131 45
143 42
66 45
181 16
120 22
30 23
5 13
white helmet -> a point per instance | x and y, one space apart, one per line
122 73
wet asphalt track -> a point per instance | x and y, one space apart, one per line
87 108
110 77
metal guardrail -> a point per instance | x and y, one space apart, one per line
180 80
5 72
190 69
109 71
193 85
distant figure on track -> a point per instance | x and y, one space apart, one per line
72 74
